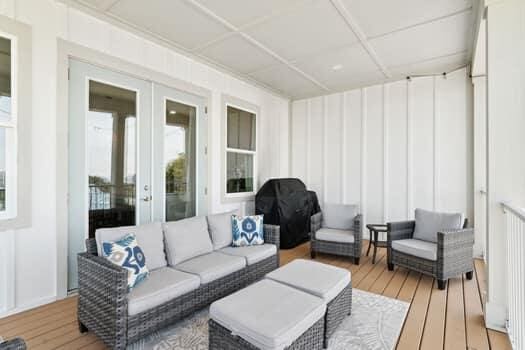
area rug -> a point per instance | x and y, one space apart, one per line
375 324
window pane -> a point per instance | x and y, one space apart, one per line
179 160
111 142
5 79
2 168
241 129
239 173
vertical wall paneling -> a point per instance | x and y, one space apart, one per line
7 271
298 143
391 148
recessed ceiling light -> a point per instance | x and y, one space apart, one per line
337 67
173 112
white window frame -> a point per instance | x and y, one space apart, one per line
11 139
247 107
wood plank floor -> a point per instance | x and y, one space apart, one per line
449 319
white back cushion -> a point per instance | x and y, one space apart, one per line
220 227
186 239
149 238
429 223
339 216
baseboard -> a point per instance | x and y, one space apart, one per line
29 306
496 317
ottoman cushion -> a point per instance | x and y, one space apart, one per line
322 280
268 314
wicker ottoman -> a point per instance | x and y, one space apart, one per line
267 315
331 283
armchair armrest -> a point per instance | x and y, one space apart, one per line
315 223
400 230
102 301
455 250
13 344
357 223
272 234
453 239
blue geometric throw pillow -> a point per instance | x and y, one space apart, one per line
247 230
126 253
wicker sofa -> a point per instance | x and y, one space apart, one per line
330 234
449 255
119 317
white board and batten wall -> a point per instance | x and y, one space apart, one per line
390 148
28 257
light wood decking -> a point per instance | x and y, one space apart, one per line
449 319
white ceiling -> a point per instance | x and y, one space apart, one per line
304 48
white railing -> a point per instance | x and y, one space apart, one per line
515 227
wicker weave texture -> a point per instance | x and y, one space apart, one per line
336 311
222 339
103 304
13 344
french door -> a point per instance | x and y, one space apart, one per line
137 153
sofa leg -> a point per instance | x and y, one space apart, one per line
356 261
81 327
469 275
312 254
390 267
442 284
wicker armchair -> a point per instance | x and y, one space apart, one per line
103 296
13 344
453 250
349 249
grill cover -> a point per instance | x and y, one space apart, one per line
287 203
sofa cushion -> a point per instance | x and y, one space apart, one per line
161 286
126 253
416 247
429 223
339 216
322 280
220 227
268 314
212 266
149 238
252 254
186 239
247 230
335 235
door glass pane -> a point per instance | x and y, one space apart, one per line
239 173
179 160
241 129
111 152
5 79
2 168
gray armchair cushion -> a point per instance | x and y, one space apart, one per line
416 247
335 235
339 216
149 238
186 239
220 227
161 286
429 223
212 266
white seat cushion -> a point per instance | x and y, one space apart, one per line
162 285
268 314
335 235
429 223
253 253
149 238
212 266
186 239
416 247
322 280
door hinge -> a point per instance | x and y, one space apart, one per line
206 109
205 150
205 191
68 72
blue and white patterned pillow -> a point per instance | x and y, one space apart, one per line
247 230
126 253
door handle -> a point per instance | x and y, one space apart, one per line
147 198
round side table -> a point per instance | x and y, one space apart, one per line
374 230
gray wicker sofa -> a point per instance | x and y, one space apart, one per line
183 284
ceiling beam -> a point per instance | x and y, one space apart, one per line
354 27
255 42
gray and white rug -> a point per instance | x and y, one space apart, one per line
375 324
